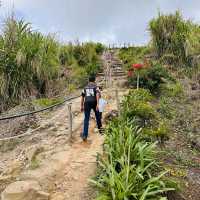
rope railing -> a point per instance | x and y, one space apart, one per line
70 115
40 110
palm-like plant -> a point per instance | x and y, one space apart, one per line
128 167
27 60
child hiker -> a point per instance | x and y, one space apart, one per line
102 104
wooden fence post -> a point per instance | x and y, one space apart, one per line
70 118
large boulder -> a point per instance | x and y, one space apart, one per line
24 190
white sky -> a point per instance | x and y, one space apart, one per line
108 21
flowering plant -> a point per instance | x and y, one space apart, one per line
138 66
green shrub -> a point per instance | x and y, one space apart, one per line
138 95
136 105
139 110
151 78
172 89
160 131
165 107
99 48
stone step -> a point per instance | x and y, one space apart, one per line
100 74
117 71
119 75
116 63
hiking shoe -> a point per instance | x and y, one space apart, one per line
101 131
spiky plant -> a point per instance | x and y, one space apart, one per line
169 36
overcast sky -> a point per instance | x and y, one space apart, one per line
108 21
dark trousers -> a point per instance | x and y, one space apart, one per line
87 111
100 115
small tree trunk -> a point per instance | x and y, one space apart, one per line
138 80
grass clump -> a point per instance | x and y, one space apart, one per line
34 162
45 102
128 168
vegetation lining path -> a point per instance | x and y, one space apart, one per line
60 167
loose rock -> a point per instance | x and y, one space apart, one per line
24 190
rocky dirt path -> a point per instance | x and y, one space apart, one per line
72 181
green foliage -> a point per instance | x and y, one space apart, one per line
151 78
79 77
66 55
170 34
137 106
169 94
45 102
172 89
141 110
128 166
160 131
99 48
133 55
28 60
138 95
83 60
31 63
165 108
194 39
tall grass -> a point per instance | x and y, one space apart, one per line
175 39
28 60
31 64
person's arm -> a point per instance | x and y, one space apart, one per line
82 103
97 97
82 100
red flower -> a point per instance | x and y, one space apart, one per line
137 66
130 73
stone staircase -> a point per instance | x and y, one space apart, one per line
112 62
